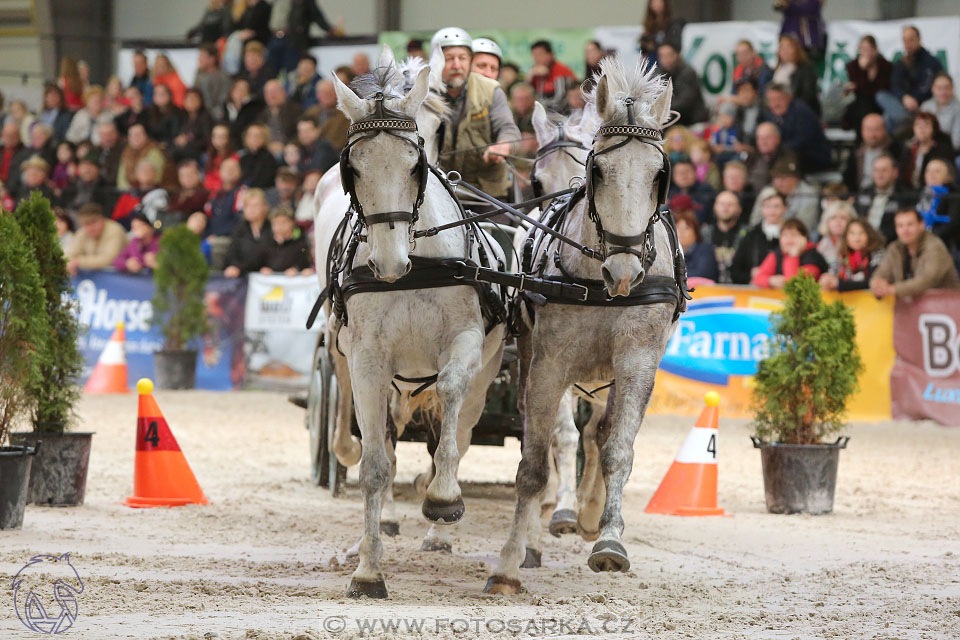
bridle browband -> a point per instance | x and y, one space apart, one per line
383 120
559 145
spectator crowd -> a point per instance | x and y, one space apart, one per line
758 190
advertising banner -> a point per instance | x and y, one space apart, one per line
106 299
726 332
278 348
926 375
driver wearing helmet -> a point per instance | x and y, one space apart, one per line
487 57
479 116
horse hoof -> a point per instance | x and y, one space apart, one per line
367 588
587 535
443 512
436 545
609 555
352 455
391 529
532 559
503 586
563 521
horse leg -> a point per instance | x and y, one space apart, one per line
592 492
375 469
564 518
345 445
542 400
549 500
634 387
389 523
443 502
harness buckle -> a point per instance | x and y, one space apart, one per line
586 292
464 265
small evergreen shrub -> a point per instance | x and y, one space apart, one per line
179 280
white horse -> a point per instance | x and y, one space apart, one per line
592 345
408 334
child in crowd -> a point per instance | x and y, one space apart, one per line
288 252
796 253
703 164
141 252
197 222
291 155
861 249
66 167
677 142
832 225
722 133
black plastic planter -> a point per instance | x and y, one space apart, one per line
58 477
14 478
799 478
175 369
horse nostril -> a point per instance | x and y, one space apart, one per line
607 278
373 267
406 269
637 280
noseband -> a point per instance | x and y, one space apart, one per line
383 120
560 144
624 244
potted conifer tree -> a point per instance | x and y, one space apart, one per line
23 330
800 397
179 281
59 474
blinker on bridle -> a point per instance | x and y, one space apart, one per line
557 145
383 120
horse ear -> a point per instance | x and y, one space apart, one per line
541 125
387 59
352 105
661 106
602 97
437 62
411 103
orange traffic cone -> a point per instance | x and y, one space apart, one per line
161 475
690 486
110 374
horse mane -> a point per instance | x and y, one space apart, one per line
395 81
642 83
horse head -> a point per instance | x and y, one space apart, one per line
561 153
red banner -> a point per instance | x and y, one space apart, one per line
925 381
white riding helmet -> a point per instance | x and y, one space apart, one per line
451 37
486 45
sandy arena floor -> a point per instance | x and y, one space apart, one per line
266 558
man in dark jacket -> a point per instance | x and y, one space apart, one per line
800 128
303 14
760 240
251 238
770 151
316 154
687 98
726 232
911 82
685 183
858 173
879 202
87 186
141 77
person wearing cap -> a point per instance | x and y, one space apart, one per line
141 252
97 242
486 58
760 240
34 172
87 186
800 128
482 129
803 201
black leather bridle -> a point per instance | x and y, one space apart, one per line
383 120
561 144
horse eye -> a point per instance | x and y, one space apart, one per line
597 173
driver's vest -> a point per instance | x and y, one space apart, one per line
475 130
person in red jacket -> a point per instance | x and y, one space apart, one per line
796 253
549 77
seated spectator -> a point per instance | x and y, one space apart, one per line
522 99
251 238
163 118
141 252
677 143
211 81
361 64
940 203
703 164
304 88
165 75
42 143
191 196
283 193
509 76
194 136
794 254
87 186
333 123
874 143
833 224
255 70
725 232
549 77
96 243
55 113
735 181
279 116
760 239
141 78
722 134
911 82
687 96
858 256
223 208
800 128
221 148
256 162
114 101
879 202
241 110
868 74
946 107
110 152
748 115
699 255
750 67
197 222
135 112
796 73
34 174
928 142
801 197
831 193
83 126
65 228
12 155
915 263
684 178
304 211
216 23
146 198
139 147
288 252
65 168
291 156
769 151
316 154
